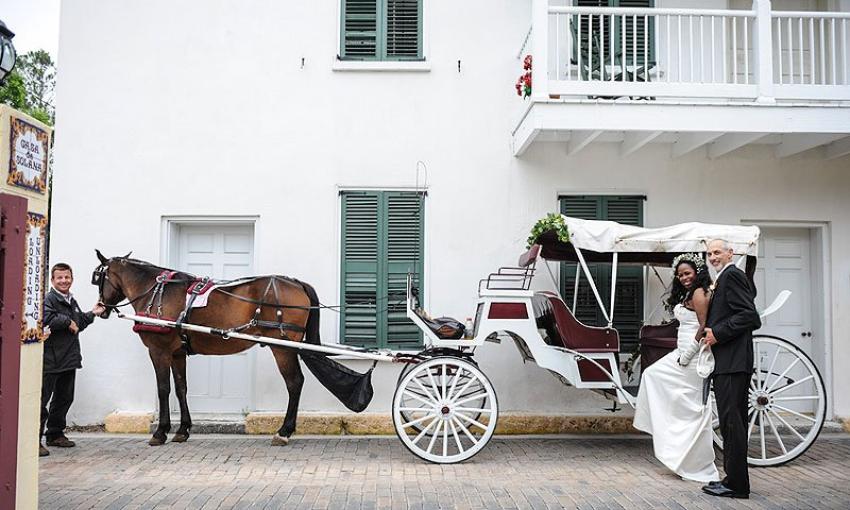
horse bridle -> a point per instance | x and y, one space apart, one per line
100 278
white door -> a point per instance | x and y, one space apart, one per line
785 264
218 384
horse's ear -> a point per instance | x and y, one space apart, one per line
127 256
103 260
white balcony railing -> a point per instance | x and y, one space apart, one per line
756 54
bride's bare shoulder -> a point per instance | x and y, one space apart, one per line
700 296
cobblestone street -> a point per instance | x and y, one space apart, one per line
108 471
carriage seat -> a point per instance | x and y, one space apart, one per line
564 330
445 328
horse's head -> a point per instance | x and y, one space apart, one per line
108 278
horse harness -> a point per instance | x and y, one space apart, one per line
197 287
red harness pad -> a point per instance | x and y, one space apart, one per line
139 327
196 288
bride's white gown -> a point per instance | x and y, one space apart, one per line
669 407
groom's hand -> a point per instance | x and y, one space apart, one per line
709 337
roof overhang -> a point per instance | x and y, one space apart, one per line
722 126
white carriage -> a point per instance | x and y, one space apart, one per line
445 409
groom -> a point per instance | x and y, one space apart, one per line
732 317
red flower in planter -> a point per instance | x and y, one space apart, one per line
523 83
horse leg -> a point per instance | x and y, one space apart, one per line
162 366
178 370
290 369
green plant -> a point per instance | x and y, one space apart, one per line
552 221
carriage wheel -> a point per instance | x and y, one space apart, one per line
445 410
787 405
474 388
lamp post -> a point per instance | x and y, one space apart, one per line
7 51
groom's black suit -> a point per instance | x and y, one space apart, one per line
732 317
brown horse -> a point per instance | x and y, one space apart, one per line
259 305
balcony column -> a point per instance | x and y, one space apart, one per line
540 49
763 51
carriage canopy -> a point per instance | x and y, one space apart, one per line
599 239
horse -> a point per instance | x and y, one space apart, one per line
252 306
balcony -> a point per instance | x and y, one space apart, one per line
692 78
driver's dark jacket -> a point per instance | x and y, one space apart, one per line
62 348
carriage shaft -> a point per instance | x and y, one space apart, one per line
226 334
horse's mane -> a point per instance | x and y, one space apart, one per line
151 268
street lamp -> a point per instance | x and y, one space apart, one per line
7 51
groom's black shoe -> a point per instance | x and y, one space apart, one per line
724 492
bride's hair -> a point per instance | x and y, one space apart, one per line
679 293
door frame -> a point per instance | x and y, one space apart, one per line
821 291
169 234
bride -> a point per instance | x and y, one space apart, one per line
670 399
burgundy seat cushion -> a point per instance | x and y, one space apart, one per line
577 336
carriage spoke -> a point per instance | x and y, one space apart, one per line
788 425
795 397
473 410
415 409
470 399
776 433
750 428
434 437
761 433
417 397
416 421
455 435
443 381
758 368
445 439
473 421
772 364
797 383
424 431
454 382
434 386
795 413
463 388
779 378
433 398
465 430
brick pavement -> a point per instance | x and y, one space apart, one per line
586 472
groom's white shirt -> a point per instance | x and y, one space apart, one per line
723 269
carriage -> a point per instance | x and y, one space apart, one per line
445 409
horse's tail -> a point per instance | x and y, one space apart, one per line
311 336
353 389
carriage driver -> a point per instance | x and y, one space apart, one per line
62 355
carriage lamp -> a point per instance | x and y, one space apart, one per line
7 51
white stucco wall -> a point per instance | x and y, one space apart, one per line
204 109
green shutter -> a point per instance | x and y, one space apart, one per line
360 271
360 28
404 255
382 235
403 29
381 30
634 27
628 306
635 31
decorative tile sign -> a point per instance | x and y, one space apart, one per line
35 267
28 161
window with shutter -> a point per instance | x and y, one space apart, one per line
628 306
381 30
382 241
630 30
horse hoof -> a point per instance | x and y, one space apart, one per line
278 440
179 438
157 441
